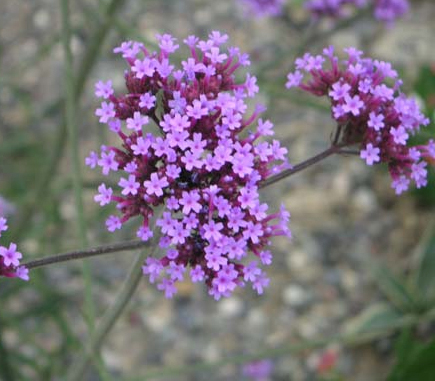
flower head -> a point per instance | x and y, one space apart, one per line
199 166
370 111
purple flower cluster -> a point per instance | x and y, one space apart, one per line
203 164
370 111
10 258
384 10
264 8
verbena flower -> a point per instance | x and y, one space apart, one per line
10 258
190 145
370 110
264 8
383 10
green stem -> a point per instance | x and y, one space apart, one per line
71 97
40 194
78 368
71 123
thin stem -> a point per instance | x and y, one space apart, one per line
78 368
40 195
299 167
72 128
96 44
99 250
349 152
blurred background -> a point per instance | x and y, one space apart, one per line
349 299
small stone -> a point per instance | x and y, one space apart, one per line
230 307
295 295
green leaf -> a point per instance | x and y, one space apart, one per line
395 288
425 274
418 364
377 317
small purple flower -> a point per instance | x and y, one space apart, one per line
251 272
294 79
353 104
144 233
168 287
113 223
212 230
147 100
197 274
106 112
152 268
399 135
104 196
141 147
175 271
92 160
376 121
260 283
155 185
11 257
130 185
400 184
215 260
137 121
370 154
189 201
339 90
108 162
104 89
167 43
253 232
22 273
144 68
196 110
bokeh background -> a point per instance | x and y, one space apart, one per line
353 287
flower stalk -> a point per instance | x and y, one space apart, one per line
82 254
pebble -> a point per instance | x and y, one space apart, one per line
295 295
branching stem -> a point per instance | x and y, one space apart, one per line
301 166
99 250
